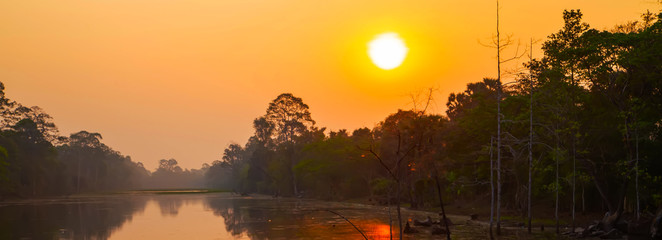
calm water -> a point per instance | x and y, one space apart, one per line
192 216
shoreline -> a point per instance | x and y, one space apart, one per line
462 224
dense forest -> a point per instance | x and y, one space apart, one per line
36 161
579 129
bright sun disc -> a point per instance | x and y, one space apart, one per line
387 51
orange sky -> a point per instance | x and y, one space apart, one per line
184 78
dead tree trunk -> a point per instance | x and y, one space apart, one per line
492 188
443 212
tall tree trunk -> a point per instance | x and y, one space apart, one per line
397 204
629 147
574 180
498 123
583 200
636 166
574 143
412 198
96 178
294 183
556 209
78 177
604 195
390 218
530 139
443 212
292 174
498 168
492 188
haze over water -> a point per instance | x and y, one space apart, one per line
191 216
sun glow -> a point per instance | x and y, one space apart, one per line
387 51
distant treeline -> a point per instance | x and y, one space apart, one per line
36 161
595 97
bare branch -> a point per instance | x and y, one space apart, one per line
381 162
350 222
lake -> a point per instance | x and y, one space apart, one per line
198 216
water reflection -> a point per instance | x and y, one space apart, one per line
261 218
190 216
80 218
169 205
175 217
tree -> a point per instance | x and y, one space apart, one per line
85 149
468 135
31 161
564 52
218 175
91 165
263 132
233 159
4 171
394 148
530 184
408 145
5 109
595 89
168 166
13 112
323 169
233 155
500 44
170 175
290 118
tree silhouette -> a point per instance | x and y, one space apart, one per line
290 118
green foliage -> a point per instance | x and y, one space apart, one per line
593 92
381 186
4 172
597 99
35 160
170 175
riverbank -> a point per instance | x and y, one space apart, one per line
471 220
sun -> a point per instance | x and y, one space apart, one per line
387 50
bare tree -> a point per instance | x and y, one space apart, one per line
394 174
500 44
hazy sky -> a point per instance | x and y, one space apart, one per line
184 78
